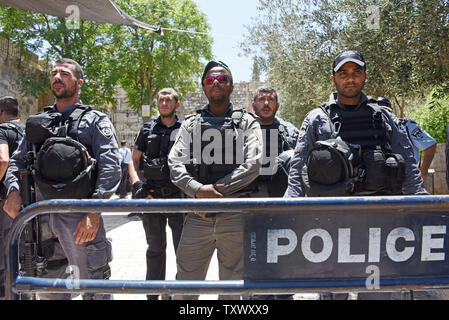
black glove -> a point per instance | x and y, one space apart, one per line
138 191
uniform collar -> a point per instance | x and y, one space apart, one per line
333 100
68 110
275 124
158 121
228 112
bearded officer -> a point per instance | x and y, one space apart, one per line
279 140
151 149
78 243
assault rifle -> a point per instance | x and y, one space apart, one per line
31 260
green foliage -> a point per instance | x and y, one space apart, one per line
139 60
51 38
153 62
434 117
404 42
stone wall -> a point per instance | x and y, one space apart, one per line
241 97
435 182
12 65
127 122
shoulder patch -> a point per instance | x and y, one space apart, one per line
105 128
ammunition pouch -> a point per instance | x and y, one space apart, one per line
155 169
153 145
42 126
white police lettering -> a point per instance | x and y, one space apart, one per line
428 243
400 245
306 245
274 249
374 245
393 253
344 254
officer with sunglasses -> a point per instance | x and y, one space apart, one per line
216 154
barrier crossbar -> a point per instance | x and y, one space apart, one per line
251 207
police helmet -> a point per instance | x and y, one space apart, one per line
61 160
382 101
330 162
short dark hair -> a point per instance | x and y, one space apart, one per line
265 89
169 91
9 105
78 70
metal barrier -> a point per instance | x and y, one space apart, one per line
278 217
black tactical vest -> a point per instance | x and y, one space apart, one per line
19 130
380 171
364 126
62 167
212 158
154 162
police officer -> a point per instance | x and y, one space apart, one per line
354 124
420 139
77 240
216 154
151 148
279 136
125 156
11 131
279 140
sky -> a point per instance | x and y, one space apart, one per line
227 19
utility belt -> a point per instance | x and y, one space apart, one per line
161 191
155 169
208 174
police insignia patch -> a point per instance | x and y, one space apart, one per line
105 129
417 133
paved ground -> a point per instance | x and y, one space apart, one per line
129 247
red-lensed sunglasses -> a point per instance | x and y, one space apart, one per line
221 79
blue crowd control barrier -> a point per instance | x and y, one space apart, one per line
290 245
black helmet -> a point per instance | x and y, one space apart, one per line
65 169
382 101
331 168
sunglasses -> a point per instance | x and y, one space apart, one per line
221 79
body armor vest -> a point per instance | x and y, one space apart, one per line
282 146
377 170
19 129
154 162
62 167
364 126
212 140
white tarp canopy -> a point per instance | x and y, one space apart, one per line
94 10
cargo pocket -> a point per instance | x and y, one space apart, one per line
98 256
